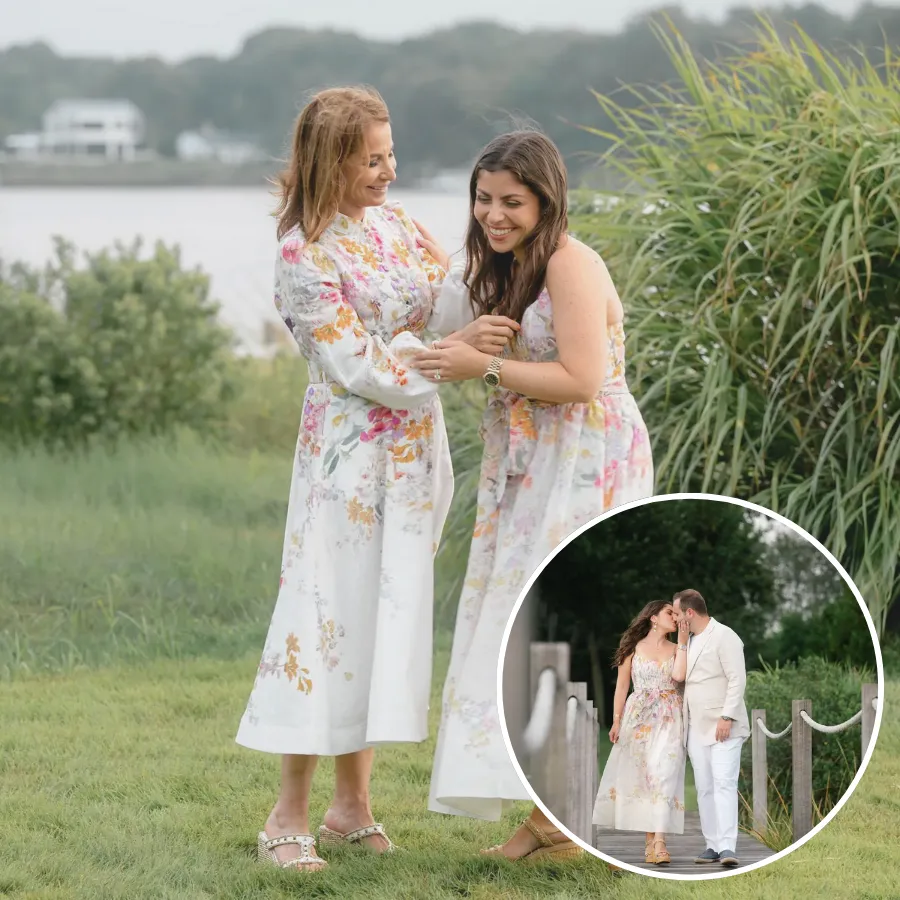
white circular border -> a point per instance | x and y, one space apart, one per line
718 498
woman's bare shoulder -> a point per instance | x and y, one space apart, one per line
574 253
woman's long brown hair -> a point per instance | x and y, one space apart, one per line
496 284
638 629
329 130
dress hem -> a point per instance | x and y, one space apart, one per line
287 741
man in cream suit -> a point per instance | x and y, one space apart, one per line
715 723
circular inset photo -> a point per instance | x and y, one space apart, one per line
690 686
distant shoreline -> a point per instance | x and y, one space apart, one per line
162 173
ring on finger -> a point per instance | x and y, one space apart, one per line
437 375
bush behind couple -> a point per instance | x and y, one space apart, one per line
687 700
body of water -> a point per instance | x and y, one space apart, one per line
227 232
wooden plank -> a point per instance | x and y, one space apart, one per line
576 788
549 769
589 766
628 847
801 741
595 753
760 773
516 690
869 693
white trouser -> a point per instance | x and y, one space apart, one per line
716 770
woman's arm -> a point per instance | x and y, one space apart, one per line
451 312
679 670
331 334
580 290
623 683
452 316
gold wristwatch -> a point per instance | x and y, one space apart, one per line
492 375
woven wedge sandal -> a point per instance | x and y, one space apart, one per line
661 857
305 862
548 849
328 837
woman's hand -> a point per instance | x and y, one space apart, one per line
489 334
451 360
614 733
427 240
684 633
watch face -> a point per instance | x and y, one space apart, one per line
492 378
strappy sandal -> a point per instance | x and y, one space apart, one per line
548 849
305 862
649 855
662 857
328 837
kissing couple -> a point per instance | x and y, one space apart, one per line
688 699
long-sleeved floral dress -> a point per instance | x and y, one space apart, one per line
642 787
547 469
347 660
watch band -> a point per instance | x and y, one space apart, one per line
492 375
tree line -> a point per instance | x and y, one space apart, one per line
778 592
449 91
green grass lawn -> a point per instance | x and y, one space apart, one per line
126 783
135 591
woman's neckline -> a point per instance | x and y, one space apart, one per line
651 659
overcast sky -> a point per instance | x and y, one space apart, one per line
175 29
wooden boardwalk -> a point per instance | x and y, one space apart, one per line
628 846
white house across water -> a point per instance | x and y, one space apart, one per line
108 130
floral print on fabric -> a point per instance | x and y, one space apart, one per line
642 787
547 469
347 659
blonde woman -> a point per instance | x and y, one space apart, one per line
347 659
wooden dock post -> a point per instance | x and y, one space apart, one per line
801 739
869 693
577 787
760 773
550 769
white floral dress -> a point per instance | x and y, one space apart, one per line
642 787
347 660
547 469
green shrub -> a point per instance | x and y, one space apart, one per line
757 258
122 346
834 691
265 411
49 387
834 631
890 656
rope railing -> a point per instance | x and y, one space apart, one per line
830 729
571 713
801 727
771 734
538 728
817 726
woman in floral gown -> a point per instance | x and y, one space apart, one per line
564 441
347 659
642 788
